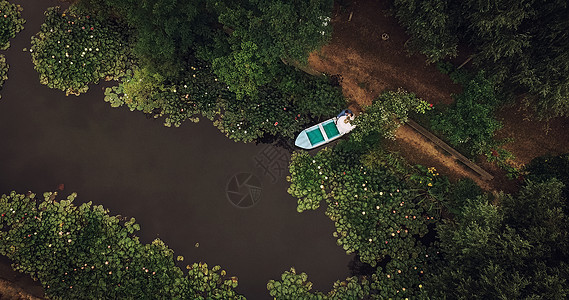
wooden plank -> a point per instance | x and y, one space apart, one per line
485 175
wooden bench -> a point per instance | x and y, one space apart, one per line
434 139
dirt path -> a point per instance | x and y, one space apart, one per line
370 64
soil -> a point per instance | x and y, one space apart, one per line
369 64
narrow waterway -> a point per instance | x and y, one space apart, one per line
174 181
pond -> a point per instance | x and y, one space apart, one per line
210 199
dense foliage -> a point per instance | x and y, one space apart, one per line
11 22
381 208
74 49
515 251
283 110
166 32
82 252
375 214
547 167
224 60
387 113
522 43
293 286
470 122
262 34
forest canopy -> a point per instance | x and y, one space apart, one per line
522 44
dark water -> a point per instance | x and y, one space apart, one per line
172 180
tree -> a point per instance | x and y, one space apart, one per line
260 35
166 32
522 44
82 252
516 251
431 25
547 167
470 121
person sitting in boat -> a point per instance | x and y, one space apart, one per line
345 112
344 124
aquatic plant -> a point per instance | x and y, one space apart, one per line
80 252
11 22
74 49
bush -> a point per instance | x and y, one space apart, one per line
470 122
544 168
11 22
74 49
386 113
82 252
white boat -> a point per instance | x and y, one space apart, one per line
323 133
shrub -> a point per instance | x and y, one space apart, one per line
386 113
74 49
471 122
11 22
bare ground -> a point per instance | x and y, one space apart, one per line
370 64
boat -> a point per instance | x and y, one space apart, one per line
324 132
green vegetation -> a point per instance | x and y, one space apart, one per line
227 61
11 22
3 71
523 45
387 113
74 49
82 252
515 251
470 122
381 207
221 60
296 286
383 210
263 33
